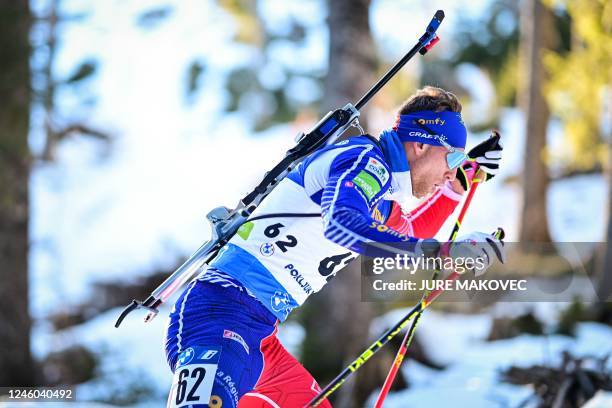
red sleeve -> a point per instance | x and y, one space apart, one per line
425 220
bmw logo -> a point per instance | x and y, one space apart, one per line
267 249
186 356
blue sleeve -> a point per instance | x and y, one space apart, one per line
382 210
357 182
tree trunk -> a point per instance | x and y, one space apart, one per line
337 321
16 365
604 266
535 19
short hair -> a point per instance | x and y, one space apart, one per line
430 98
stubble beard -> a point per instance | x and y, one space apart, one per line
420 189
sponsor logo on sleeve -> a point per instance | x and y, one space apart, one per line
378 169
368 184
228 334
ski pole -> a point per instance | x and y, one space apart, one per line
225 222
407 340
384 339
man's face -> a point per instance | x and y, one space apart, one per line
428 167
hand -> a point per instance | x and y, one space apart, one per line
478 245
486 155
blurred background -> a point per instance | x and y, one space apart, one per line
122 123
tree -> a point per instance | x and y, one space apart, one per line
15 357
579 94
266 103
604 272
535 26
490 42
578 89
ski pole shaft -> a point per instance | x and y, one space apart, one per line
377 345
417 312
478 178
363 357
397 362
407 340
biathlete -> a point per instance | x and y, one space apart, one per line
221 337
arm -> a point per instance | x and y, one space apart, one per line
348 197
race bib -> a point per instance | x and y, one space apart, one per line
194 377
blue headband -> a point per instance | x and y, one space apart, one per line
417 127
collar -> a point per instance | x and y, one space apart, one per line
393 150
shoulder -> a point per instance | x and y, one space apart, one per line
362 168
360 147
364 155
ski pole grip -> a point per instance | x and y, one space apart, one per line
497 136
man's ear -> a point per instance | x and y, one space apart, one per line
413 150
419 148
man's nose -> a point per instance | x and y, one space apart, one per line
450 175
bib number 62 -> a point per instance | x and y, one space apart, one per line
194 377
273 230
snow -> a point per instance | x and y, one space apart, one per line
434 326
134 351
471 376
143 207
472 366
603 399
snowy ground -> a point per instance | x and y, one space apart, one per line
471 378
131 357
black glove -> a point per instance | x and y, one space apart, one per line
486 155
